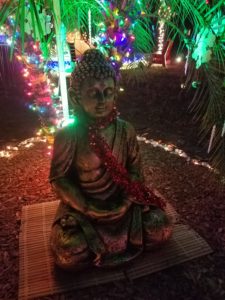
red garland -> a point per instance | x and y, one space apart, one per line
141 193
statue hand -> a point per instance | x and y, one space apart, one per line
107 215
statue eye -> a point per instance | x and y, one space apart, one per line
109 92
93 93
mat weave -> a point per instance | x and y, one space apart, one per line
38 277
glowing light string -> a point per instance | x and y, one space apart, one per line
173 150
11 151
161 37
223 130
59 42
213 132
89 26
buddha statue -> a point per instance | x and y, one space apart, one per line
106 216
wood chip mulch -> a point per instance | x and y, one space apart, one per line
196 193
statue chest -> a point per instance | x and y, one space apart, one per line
88 165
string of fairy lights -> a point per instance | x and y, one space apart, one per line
114 37
41 87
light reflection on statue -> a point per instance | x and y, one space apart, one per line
96 172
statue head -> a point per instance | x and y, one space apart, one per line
93 85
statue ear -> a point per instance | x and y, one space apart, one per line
71 95
73 102
72 98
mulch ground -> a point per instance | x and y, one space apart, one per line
158 111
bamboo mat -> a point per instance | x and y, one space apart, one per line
38 276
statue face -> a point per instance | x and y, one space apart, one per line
97 96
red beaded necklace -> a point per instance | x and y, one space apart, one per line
141 193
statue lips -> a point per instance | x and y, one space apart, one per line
100 108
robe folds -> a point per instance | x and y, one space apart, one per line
105 241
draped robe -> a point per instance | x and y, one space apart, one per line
108 241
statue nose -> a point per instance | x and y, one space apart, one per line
101 98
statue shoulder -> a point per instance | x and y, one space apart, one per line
128 127
67 132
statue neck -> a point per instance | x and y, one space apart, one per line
96 124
